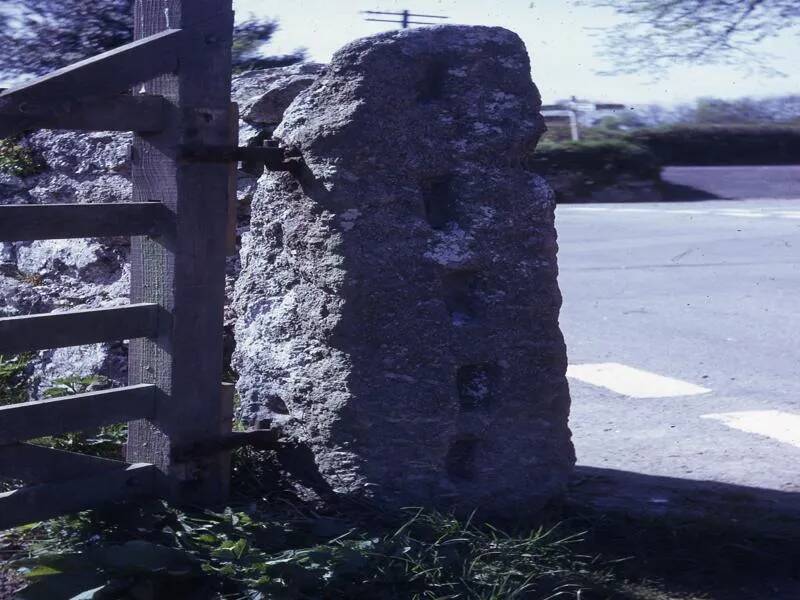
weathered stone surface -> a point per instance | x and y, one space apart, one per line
265 94
398 305
95 153
10 184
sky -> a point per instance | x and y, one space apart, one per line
562 40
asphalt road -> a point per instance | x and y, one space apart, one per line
706 293
741 182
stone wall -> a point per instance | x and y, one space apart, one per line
398 303
55 275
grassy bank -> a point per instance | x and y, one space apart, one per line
268 544
285 550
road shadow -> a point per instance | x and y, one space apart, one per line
676 192
731 182
726 541
610 489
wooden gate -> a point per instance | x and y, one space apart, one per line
180 222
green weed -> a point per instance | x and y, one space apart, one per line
106 442
18 160
14 379
297 554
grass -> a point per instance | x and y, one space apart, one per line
269 545
287 551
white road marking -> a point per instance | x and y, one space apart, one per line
587 208
741 213
632 382
747 213
776 424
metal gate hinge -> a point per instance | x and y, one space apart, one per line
272 158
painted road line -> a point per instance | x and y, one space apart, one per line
741 213
585 208
633 382
776 424
789 214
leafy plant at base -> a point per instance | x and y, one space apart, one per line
17 160
13 379
107 442
75 384
294 554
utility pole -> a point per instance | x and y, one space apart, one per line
405 18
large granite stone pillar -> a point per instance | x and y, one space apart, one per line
398 303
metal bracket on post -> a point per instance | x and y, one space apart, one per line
272 158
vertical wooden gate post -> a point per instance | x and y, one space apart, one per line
183 270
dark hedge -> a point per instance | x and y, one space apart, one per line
722 144
604 160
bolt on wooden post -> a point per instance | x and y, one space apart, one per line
183 270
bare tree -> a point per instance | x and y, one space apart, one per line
658 33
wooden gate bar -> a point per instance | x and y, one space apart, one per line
74 328
107 73
114 113
25 222
28 420
37 464
184 271
39 502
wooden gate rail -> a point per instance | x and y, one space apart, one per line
108 73
77 327
180 70
114 113
63 221
34 464
30 420
39 502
